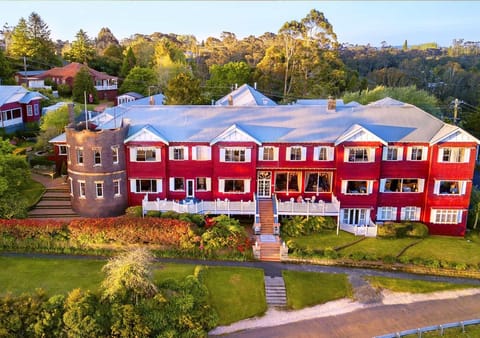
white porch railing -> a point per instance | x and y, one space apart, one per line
110 87
202 207
309 208
367 230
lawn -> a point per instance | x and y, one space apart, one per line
448 249
236 293
322 240
163 271
471 331
376 248
33 190
414 286
312 288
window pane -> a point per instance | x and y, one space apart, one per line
356 187
281 181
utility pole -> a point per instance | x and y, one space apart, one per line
455 111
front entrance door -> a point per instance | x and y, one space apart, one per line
190 189
355 216
264 184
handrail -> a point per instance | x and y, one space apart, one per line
275 208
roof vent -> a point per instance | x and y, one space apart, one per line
230 100
331 104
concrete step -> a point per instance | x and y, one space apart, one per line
275 292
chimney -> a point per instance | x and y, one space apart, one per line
236 85
71 114
255 85
152 101
331 104
230 100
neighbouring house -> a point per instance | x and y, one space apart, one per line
245 95
106 85
362 164
30 78
127 97
18 106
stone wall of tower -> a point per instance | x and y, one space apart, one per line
96 170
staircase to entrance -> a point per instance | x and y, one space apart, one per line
268 241
54 204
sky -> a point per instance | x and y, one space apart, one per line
354 22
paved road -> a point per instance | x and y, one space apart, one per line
375 320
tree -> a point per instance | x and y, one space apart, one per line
139 80
222 78
129 61
129 277
183 89
20 42
6 73
105 38
169 61
53 124
82 49
83 84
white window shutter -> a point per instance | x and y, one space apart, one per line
463 187
346 152
400 153
394 213
133 185
159 185
382 184
133 154
221 185
316 153
402 214
222 154
436 188
370 186
344 187
417 213
194 153
209 153
248 155
384 153
330 152
466 158
288 153
246 184
158 156
172 183
459 216
208 182
260 153
304 153
170 153
275 153
421 184
371 155
440 154
433 214
424 153
185 153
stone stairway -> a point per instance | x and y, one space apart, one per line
55 203
269 243
275 291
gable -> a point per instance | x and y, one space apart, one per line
357 133
234 134
457 135
146 134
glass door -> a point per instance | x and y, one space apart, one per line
264 184
190 189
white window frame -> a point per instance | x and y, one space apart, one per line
95 152
446 216
347 213
62 149
299 152
29 110
387 213
459 188
352 158
368 187
323 153
80 156
36 109
115 155
410 213
201 153
174 181
178 153
133 185
208 184
99 188
411 151
420 186
289 175
387 153
268 150
82 189
117 184
317 186
235 155
453 155
134 153
222 182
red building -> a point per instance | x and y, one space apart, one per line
364 165
18 106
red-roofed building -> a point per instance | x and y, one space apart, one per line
105 84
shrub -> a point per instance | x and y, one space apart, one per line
404 229
302 226
417 229
329 252
135 211
64 90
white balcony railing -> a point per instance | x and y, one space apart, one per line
368 230
309 208
111 87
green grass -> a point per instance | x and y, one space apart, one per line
163 271
379 247
323 240
448 249
32 191
311 288
55 276
235 293
471 331
414 286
